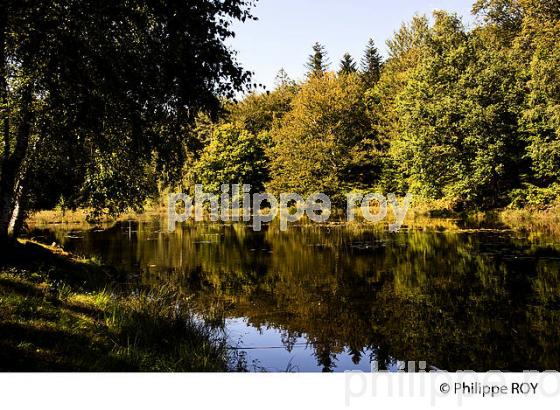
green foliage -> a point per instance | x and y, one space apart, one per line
371 65
541 35
94 94
505 15
405 51
465 116
347 65
318 62
259 112
233 156
534 197
458 117
313 144
468 117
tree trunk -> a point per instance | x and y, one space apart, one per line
14 172
4 103
6 171
12 208
15 158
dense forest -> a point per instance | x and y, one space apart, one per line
466 117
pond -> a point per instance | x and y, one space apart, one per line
337 297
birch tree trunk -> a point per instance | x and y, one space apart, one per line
14 172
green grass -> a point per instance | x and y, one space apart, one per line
58 313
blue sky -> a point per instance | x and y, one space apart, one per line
287 29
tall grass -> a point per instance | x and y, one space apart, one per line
535 221
156 330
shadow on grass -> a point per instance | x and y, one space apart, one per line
62 266
59 313
28 348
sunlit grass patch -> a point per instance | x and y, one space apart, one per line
534 220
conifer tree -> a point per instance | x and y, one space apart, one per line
347 65
371 64
283 79
317 63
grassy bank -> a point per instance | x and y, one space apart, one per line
81 216
547 220
60 313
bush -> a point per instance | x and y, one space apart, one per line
534 196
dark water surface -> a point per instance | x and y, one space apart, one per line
333 298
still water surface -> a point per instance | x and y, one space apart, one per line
333 298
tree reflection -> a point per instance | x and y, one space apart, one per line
475 300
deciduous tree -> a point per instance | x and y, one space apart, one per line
94 93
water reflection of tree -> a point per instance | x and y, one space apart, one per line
456 300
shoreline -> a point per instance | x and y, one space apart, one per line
63 313
529 220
